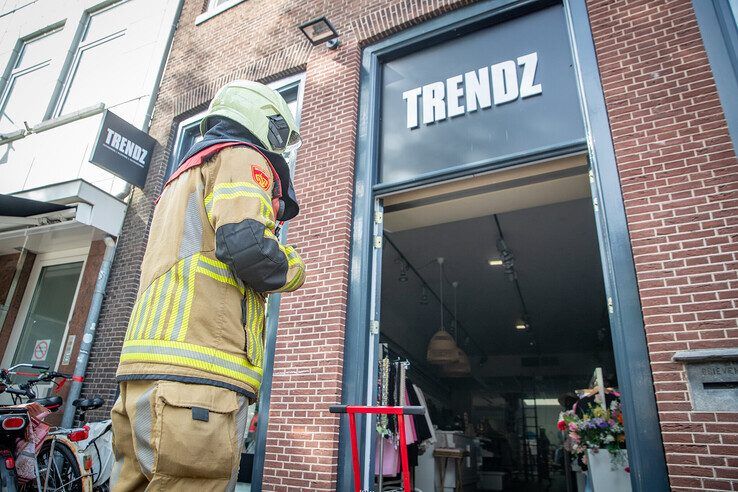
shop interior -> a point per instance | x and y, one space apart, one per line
520 292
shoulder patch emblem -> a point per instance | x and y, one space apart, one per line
260 178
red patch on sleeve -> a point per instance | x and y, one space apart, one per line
260 178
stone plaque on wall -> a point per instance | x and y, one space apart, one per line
713 378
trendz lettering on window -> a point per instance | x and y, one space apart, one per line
477 89
126 148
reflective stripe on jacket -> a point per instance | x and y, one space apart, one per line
211 258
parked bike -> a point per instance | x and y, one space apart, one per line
37 457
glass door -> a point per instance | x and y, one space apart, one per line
48 312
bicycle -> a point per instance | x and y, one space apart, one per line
58 459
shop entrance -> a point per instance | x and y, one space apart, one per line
504 270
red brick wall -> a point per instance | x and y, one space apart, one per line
680 183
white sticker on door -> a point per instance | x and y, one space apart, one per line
40 350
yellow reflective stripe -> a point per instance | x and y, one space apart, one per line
167 301
223 273
239 189
299 276
215 263
134 318
292 257
145 303
190 355
150 303
152 308
188 301
177 297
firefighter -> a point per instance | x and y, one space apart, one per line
192 356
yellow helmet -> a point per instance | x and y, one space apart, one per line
259 109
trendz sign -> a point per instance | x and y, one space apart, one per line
500 91
461 94
123 149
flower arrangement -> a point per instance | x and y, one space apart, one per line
597 428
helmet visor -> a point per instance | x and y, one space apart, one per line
294 142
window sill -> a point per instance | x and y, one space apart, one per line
209 14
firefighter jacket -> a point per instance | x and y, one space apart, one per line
211 258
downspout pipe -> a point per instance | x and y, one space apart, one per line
80 369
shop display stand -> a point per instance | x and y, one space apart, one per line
352 410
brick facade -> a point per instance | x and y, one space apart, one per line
680 183
674 154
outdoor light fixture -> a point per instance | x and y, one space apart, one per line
495 262
521 326
320 30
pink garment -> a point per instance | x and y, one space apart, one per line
390 465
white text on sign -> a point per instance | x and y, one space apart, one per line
441 100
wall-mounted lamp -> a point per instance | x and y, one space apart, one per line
320 30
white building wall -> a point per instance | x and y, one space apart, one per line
58 57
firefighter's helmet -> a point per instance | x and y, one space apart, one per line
261 110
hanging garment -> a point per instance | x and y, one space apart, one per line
421 400
421 424
411 433
390 464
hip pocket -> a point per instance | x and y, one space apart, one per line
195 431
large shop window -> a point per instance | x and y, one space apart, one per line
501 336
29 85
102 61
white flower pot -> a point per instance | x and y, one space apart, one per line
605 475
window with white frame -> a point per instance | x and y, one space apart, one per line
30 83
101 68
188 131
215 7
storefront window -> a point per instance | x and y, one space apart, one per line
28 90
48 312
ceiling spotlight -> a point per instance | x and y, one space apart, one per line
320 30
495 262
424 297
403 272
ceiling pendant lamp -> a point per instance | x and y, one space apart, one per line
461 368
442 348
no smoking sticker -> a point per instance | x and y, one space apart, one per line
40 350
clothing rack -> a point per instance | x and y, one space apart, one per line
420 369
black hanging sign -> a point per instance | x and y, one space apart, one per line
123 149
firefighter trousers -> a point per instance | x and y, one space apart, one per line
169 435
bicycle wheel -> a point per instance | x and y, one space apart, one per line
63 470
